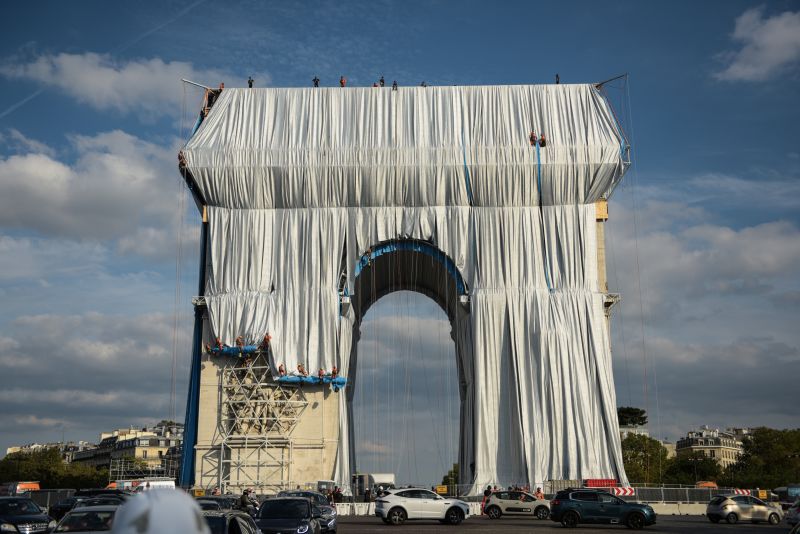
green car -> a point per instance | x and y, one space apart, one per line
571 507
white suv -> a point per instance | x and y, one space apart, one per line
415 503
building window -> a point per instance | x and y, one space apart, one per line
713 454
144 454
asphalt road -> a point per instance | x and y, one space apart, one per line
682 524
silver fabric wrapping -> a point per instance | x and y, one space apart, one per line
297 179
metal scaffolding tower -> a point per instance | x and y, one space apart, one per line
257 417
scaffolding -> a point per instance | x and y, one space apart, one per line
257 417
129 468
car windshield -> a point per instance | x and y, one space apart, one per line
280 509
19 507
89 521
216 524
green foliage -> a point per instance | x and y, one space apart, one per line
771 459
49 469
691 468
451 478
630 416
645 459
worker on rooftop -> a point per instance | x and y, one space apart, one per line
342 81
394 85
315 81
250 81
382 81
558 79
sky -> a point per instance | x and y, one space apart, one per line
99 240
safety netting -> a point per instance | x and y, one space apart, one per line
300 184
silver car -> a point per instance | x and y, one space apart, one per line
516 503
733 508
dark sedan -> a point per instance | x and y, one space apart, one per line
287 514
229 522
19 514
327 512
60 509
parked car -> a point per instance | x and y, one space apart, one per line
100 500
20 514
516 503
793 513
226 502
207 505
571 507
734 508
398 505
287 514
327 519
88 519
60 509
229 522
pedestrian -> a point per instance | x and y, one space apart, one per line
539 494
250 81
342 81
394 85
367 495
315 81
486 494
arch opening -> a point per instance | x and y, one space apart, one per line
416 266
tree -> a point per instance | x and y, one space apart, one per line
451 478
689 468
49 469
630 416
645 459
770 458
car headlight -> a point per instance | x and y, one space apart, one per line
302 529
51 525
8 527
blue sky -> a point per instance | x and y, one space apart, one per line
91 203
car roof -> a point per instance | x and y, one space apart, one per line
98 508
222 513
303 499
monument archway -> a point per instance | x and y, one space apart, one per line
420 267
297 186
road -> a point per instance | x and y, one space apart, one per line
676 524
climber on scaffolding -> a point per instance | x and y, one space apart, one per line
542 141
302 369
334 372
281 370
320 373
532 138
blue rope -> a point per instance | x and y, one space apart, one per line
466 169
541 216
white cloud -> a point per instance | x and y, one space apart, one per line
16 141
148 88
768 45
119 187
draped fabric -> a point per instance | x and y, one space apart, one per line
300 183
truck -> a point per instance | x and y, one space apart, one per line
138 485
17 488
362 481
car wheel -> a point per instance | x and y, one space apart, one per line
454 516
774 519
570 520
732 518
635 521
494 512
542 512
397 516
